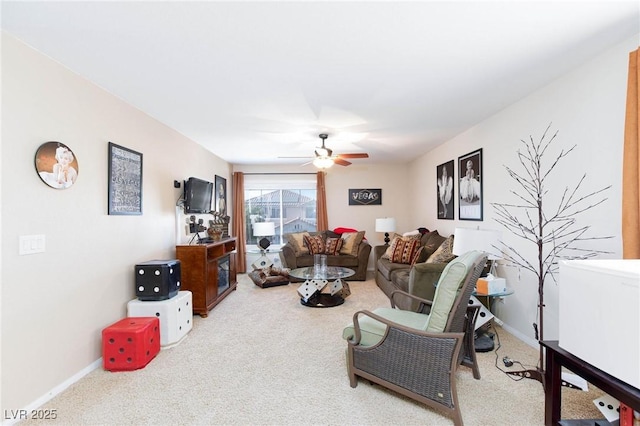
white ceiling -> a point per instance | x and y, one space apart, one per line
252 81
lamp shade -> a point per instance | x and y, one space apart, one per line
485 240
264 229
386 224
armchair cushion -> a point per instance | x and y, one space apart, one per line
372 331
450 282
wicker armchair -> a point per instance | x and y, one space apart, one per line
416 353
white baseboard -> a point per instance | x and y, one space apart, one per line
526 339
55 391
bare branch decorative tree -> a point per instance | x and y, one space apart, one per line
554 230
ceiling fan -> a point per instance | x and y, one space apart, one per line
324 157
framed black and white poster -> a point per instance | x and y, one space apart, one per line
470 186
221 195
445 190
125 181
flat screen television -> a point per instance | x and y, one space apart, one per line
198 194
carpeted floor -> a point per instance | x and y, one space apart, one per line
261 358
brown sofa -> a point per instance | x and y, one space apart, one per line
418 279
294 256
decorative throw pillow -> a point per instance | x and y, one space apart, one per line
417 257
431 241
387 254
444 253
351 242
296 240
315 243
405 250
332 246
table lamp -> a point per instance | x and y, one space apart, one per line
485 240
386 225
264 229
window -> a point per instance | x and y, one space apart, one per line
291 205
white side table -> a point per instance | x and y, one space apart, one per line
484 341
264 260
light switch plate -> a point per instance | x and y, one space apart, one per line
31 244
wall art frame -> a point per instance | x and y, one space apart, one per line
57 165
124 181
470 196
445 190
220 192
365 197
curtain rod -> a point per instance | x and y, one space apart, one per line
264 174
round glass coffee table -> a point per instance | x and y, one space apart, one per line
315 281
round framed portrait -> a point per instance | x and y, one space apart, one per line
56 165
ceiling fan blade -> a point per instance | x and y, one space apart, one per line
354 155
341 162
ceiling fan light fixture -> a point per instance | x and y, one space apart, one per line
323 152
323 162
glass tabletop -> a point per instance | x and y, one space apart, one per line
332 273
262 251
507 292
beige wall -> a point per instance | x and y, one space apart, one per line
587 107
55 304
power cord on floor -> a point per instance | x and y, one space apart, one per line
506 360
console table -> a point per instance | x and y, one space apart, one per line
208 272
555 359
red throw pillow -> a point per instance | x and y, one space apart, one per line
341 230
